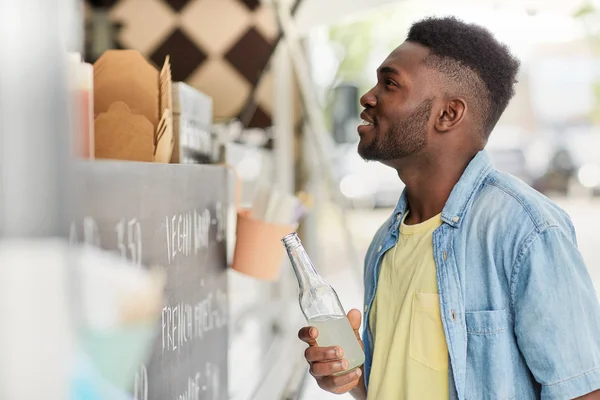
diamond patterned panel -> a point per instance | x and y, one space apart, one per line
264 92
224 84
260 119
143 31
178 5
102 3
185 55
215 25
250 55
251 4
220 47
265 21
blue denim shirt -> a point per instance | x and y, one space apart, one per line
519 311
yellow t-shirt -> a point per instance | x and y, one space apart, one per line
410 358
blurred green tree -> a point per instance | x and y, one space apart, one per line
589 15
352 44
357 42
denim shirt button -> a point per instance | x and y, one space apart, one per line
379 248
453 315
455 219
445 255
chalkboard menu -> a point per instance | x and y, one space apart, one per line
172 216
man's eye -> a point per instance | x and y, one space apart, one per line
389 82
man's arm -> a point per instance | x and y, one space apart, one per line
557 315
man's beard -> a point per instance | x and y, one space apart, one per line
402 138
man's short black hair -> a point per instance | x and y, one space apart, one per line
460 50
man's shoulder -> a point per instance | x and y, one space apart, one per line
507 197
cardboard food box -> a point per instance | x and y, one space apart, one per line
192 126
133 108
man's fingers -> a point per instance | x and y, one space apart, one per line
308 334
327 361
321 354
321 369
340 384
350 377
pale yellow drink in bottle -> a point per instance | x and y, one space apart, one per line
321 306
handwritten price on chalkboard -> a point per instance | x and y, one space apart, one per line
91 233
129 240
129 237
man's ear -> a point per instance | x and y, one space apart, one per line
451 115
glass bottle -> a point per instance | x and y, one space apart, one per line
321 306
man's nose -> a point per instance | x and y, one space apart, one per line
368 100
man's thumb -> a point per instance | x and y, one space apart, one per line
354 317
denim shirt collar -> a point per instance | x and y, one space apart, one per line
452 213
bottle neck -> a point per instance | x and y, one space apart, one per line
303 267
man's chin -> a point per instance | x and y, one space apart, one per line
367 152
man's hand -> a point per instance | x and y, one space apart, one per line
591 396
326 361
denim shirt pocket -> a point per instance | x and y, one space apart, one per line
489 359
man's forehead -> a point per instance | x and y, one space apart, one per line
405 58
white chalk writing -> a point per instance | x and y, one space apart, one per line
129 239
221 219
89 228
192 392
140 384
203 386
188 233
128 236
184 322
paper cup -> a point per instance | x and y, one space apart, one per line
258 251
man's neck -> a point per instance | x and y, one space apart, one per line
429 183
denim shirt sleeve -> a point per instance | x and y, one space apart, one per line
557 315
